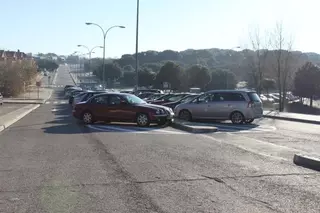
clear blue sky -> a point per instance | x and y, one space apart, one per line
58 25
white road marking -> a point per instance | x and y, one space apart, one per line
247 147
48 102
63 102
243 128
133 129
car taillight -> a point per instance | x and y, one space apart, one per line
250 104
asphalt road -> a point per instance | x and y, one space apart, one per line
51 163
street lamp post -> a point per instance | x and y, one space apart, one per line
137 44
90 51
104 45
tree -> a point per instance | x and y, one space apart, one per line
222 79
112 72
155 67
126 60
268 84
146 77
128 79
128 68
282 57
198 76
306 81
171 73
47 64
14 77
257 60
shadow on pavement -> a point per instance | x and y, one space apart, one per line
67 129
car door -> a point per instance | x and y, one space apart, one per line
119 109
199 106
99 107
216 106
225 103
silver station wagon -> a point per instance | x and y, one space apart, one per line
239 106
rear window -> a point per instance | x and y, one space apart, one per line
254 97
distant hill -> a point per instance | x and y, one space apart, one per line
235 61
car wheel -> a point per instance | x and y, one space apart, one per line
237 118
87 117
185 115
142 120
249 121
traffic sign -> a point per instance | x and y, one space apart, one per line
165 85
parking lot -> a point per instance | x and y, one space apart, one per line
49 158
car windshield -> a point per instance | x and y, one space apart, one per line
164 97
176 97
155 96
132 99
188 98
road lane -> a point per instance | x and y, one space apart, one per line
49 162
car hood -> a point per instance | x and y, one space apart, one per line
153 106
171 103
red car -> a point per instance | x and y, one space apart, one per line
121 107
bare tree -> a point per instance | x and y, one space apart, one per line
257 61
282 62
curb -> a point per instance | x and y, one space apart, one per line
292 119
72 77
16 118
54 78
307 162
193 129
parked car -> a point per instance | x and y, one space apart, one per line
126 91
121 107
239 106
85 96
68 86
1 99
185 99
148 90
75 93
145 95
154 96
70 90
172 97
266 98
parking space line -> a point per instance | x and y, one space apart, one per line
138 130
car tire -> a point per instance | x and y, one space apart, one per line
249 121
237 117
142 120
87 117
185 115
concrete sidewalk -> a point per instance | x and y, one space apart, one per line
305 118
10 118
